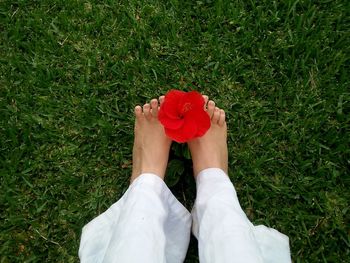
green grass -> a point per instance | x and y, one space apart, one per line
72 71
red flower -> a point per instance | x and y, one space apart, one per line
183 116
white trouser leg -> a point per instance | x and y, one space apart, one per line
224 232
146 225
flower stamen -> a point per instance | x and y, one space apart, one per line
186 107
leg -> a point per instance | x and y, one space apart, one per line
223 231
147 224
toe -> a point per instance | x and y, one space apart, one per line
138 111
216 115
222 118
154 107
211 108
206 98
147 110
161 99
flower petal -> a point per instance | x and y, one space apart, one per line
170 104
189 128
195 98
182 115
203 122
175 135
172 124
170 109
187 131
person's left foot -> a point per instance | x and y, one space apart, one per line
151 145
210 150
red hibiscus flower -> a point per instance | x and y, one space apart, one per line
182 115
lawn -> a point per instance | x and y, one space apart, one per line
72 71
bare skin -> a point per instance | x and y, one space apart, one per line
210 150
151 145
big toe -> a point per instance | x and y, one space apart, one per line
206 98
161 99
211 108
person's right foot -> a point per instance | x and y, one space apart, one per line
151 145
210 150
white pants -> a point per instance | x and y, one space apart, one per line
149 225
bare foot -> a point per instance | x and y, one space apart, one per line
210 150
151 145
